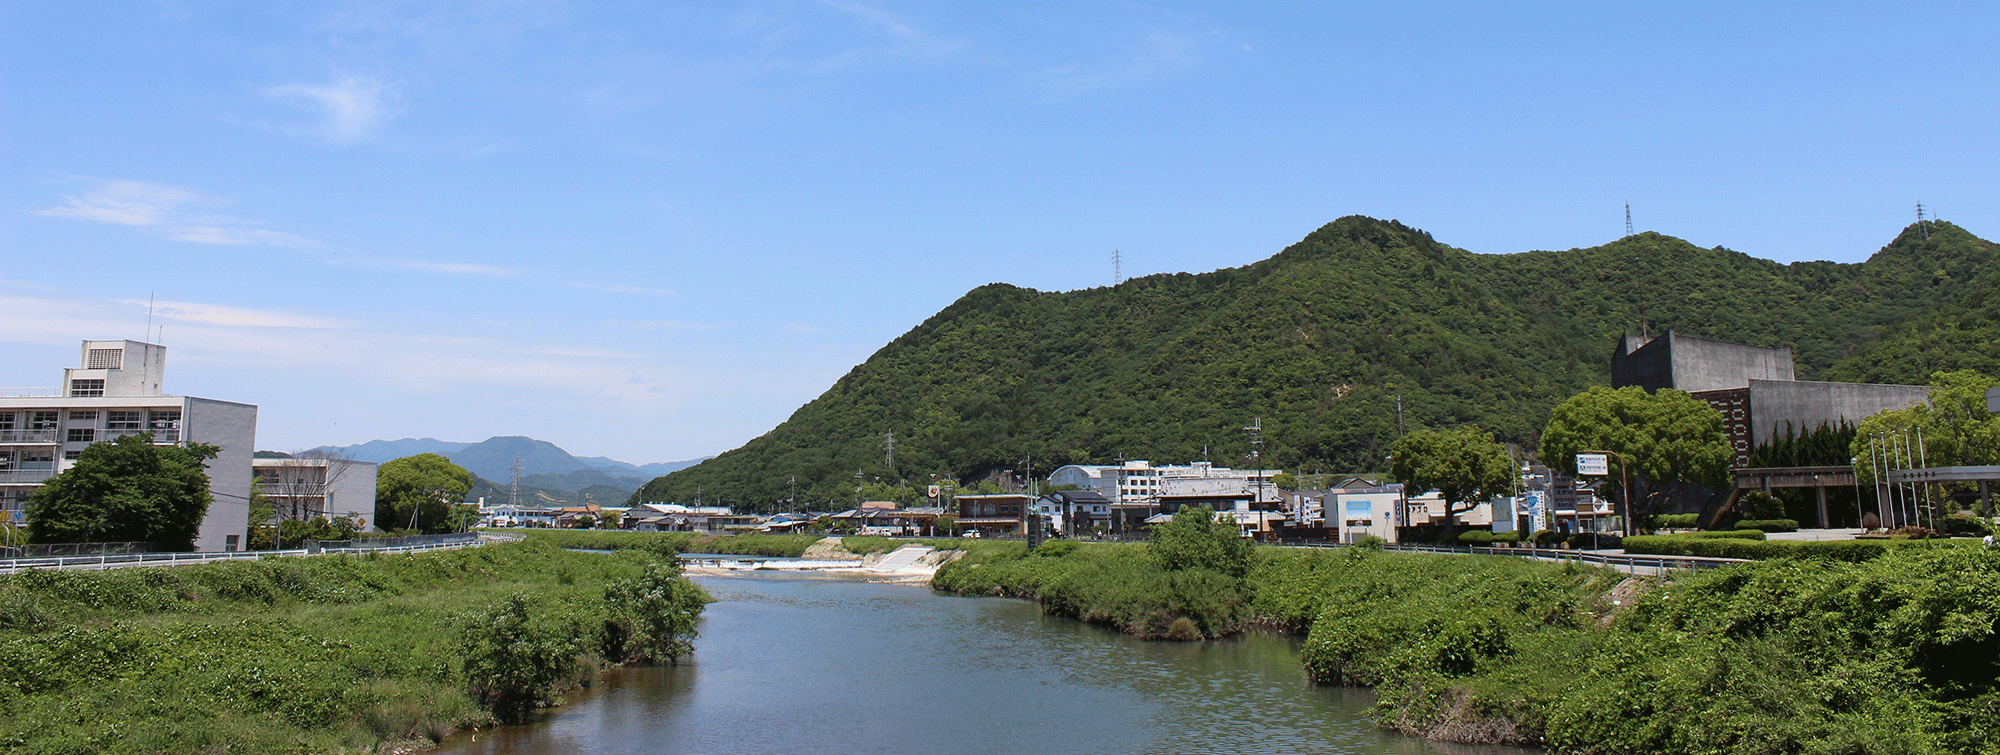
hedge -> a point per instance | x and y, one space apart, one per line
1769 525
1736 547
1738 534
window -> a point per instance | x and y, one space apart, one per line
72 455
44 420
117 420
165 425
6 421
104 359
79 388
89 416
81 435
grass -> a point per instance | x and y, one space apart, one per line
673 543
317 654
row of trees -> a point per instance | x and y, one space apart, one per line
1662 443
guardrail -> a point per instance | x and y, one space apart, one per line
1614 560
119 561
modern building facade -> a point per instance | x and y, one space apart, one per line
300 489
1752 386
116 391
1139 482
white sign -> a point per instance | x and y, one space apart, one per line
935 491
1597 465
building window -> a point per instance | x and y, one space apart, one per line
165 425
117 420
89 416
72 455
81 435
44 420
105 359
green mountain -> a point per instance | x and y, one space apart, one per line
1319 342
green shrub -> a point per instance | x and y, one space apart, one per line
1963 524
1736 534
1475 537
1056 548
1677 521
1594 540
1769 525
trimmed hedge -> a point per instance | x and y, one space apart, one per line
1677 521
1736 547
1769 525
1738 534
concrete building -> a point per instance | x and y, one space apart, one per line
300 489
1139 482
1993 401
1753 387
115 391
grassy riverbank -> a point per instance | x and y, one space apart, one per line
1894 654
672 543
321 654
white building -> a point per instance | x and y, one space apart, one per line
1139 482
115 391
300 489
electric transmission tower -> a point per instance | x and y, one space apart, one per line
1117 267
1923 226
1628 218
889 446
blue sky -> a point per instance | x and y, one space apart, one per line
652 231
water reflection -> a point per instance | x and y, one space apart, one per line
811 664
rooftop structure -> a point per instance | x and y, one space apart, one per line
116 391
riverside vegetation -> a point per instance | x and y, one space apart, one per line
324 653
1895 653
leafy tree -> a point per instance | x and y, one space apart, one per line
1955 426
126 490
1464 465
263 532
513 663
423 488
1285 481
1198 539
1666 441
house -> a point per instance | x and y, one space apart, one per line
1076 513
884 519
1358 508
302 488
1137 481
995 515
115 391
1259 519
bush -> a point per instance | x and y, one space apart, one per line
1737 547
1056 548
1769 525
1475 537
1961 524
1546 538
1738 534
1913 532
1594 540
1677 521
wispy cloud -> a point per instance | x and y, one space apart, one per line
659 325
172 212
905 40
239 317
352 106
1161 52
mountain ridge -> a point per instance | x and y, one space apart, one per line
1333 343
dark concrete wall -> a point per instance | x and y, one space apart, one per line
1703 365
1647 363
1807 405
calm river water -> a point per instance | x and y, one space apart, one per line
817 664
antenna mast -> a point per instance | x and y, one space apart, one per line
1923 227
514 489
890 447
1628 218
1117 267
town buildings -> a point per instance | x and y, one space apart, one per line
115 390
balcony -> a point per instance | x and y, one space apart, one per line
25 476
168 435
30 393
28 437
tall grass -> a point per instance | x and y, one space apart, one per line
672 543
317 654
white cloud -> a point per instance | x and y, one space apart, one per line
239 317
907 41
169 211
1159 53
352 106
456 268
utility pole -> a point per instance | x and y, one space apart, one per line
1399 416
890 446
1256 430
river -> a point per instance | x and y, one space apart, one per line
810 664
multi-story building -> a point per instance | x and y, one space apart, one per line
302 488
114 392
1139 482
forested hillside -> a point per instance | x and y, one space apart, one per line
1319 341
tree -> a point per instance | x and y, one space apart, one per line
1954 424
421 488
1464 465
126 490
263 532
1285 481
1198 539
1666 441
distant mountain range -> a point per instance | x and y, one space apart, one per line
544 465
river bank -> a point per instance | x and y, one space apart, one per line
324 653
1894 654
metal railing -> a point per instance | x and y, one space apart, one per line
37 437
118 561
25 476
1627 561
30 393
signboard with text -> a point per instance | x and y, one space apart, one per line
1597 465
